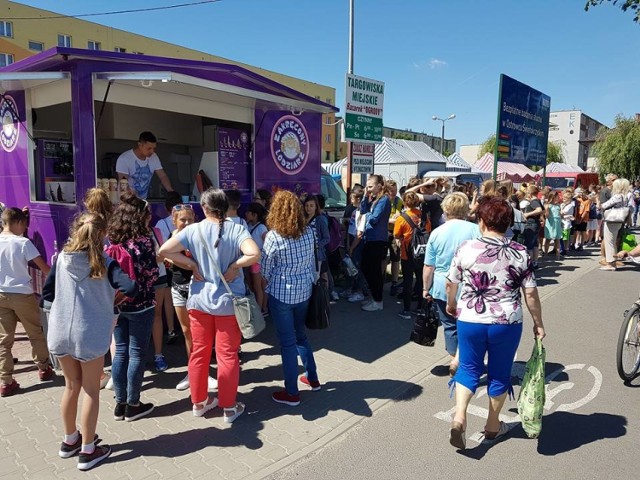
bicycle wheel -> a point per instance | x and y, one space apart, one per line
628 352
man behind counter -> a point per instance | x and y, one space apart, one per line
138 165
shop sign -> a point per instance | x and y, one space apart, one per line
10 132
362 155
289 145
523 123
363 109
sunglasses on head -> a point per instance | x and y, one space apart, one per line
182 206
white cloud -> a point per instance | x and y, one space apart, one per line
437 63
432 64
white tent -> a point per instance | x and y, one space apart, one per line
556 167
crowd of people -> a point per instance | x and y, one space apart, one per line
118 280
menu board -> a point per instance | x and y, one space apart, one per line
233 160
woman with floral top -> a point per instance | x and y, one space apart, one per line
491 271
132 244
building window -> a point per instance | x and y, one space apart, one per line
6 29
327 156
138 53
36 46
64 40
91 45
329 101
327 138
120 50
6 59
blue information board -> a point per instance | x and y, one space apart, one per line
523 123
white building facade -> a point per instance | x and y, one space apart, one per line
575 133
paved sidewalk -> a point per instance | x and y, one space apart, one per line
364 362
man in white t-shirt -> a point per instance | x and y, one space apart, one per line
140 163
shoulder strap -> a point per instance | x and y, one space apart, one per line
213 262
408 220
254 227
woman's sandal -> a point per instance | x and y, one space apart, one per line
204 406
457 436
236 411
504 429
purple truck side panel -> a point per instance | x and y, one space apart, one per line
287 148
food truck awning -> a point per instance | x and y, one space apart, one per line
125 67
22 80
181 84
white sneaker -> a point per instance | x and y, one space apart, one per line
372 307
355 297
109 385
366 300
334 296
183 384
213 383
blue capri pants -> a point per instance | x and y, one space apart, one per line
500 342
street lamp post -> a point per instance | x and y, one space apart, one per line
450 117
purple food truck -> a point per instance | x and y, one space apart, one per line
67 114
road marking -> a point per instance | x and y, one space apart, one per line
482 412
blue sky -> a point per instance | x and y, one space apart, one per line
437 57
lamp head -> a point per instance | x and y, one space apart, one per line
452 116
434 118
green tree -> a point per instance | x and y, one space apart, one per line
554 151
633 5
618 148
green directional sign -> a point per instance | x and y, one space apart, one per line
363 110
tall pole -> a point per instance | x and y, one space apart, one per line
351 33
442 140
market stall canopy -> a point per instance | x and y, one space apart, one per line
172 75
557 167
393 150
335 168
515 172
455 163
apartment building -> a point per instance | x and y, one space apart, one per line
26 31
575 133
431 140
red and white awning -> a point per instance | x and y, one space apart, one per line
515 172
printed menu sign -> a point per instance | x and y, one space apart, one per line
233 160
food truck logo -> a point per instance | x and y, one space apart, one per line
10 123
289 145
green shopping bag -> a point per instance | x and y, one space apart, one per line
532 393
628 241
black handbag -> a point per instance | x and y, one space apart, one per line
425 328
319 309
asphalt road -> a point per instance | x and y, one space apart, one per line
590 428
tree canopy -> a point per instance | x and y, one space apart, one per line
633 5
554 152
618 148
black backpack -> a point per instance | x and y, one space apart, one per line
418 245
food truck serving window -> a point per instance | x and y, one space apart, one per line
45 99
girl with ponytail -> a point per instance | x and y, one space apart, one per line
215 245
82 285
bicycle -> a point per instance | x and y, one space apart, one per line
628 351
